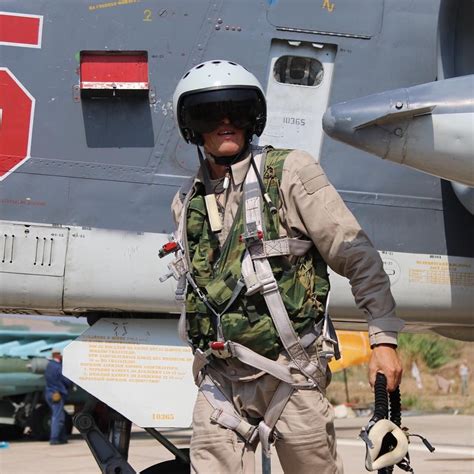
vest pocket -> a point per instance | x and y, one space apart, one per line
200 325
220 290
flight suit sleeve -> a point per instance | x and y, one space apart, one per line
312 207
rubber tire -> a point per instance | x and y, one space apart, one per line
174 466
68 423
40 423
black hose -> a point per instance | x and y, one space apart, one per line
381 399
396 407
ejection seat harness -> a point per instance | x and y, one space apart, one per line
257 276
385 438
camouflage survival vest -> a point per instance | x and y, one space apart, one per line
303 281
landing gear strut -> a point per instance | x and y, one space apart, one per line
107 456
111 454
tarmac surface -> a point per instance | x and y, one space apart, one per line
452 436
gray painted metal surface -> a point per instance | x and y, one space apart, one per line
103 169
427 127
110 160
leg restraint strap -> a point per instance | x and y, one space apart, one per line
225 414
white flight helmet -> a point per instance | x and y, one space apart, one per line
216 89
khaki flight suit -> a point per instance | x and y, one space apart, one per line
305 439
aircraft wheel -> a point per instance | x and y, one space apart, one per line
40 422
68 423
176 466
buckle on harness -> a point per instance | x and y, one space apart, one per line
268 283
253 287
330 344
220 349
177 269
251 236
180 293
328 347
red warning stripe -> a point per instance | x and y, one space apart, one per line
20 30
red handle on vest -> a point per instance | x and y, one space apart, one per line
168 248
217 346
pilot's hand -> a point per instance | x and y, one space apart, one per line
385 359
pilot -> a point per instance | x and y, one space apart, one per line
257 228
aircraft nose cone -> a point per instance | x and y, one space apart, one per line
427 127
338 121
329 122
355 122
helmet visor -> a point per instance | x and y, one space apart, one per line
203 112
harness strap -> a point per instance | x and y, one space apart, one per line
199 362
182 329
252 283
330 347
180 237
224 412
282 322
269 286
251 358
272 415
280 247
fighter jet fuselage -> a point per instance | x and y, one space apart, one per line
90 157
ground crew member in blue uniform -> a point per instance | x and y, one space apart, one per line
56 392
256 231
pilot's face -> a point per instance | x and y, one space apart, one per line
225 140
